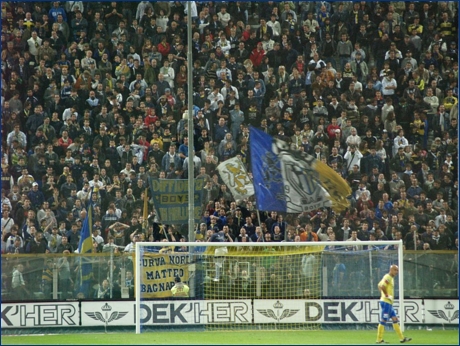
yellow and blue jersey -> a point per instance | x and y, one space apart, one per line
387 282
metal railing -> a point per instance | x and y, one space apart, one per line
49 277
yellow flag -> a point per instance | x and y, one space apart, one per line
335 185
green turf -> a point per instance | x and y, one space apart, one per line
334 337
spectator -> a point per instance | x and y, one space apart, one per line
37 245
35 196
18 284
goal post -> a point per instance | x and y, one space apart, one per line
267 285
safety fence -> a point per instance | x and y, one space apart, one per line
52 277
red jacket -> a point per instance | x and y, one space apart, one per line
150 120
146 144
257 57
164 49
331 130
65 144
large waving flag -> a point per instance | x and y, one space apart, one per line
291 181
234 175
86 246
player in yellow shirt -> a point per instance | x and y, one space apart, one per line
180 289
386 287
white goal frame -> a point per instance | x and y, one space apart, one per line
399 243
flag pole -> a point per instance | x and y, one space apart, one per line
191 170
258 212
145 213
258 218
85 243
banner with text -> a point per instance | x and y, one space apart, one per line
351 311
193 312
171 199
184 312
31 315
196 312
159 271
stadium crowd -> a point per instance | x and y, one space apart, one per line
94 103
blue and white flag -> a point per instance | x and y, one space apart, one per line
284 180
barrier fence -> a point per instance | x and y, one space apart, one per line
51 277
59 277
51 291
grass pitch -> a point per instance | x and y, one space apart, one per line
323 337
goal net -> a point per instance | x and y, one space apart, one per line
262 286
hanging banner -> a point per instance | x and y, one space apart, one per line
158 272
171 199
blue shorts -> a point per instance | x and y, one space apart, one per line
386 311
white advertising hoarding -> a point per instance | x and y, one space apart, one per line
30 315
167 312
351 311
200 312
279 311
112 313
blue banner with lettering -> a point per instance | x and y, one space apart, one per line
171 199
